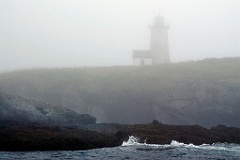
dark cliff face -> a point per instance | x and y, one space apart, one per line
15 108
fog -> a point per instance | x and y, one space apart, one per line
64 33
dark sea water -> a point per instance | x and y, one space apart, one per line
134 150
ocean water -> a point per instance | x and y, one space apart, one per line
134 150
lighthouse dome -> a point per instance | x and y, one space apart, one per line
159 20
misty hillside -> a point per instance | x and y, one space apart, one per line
205 92
17 109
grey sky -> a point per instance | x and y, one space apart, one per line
72 33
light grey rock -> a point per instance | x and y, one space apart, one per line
16 108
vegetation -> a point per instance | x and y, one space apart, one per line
150 78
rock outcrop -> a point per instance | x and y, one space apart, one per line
17 109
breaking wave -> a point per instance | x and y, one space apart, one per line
134 142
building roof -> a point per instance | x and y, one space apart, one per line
141 54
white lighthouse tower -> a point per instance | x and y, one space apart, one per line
159 49
159 41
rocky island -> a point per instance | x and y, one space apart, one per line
204 92
28 125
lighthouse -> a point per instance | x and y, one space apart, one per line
159 49
159 41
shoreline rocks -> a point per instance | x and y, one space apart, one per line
37 137
27 125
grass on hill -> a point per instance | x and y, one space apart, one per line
148 78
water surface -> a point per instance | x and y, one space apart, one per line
134 150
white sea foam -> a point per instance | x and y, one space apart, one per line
217 146
134 141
